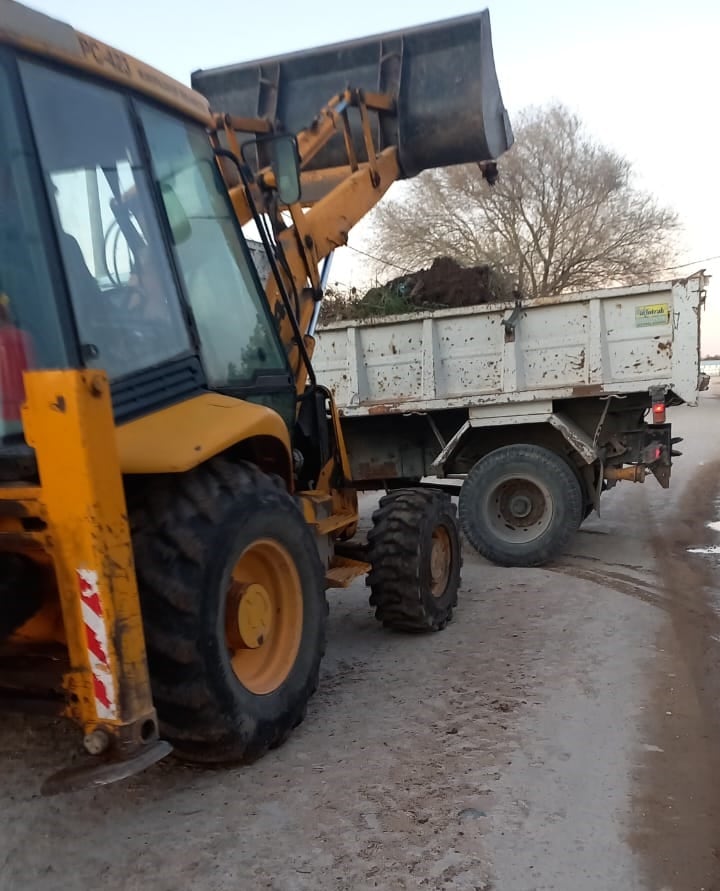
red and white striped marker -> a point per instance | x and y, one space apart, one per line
96 635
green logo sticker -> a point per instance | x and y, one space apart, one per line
652 314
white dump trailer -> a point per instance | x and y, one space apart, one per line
537 407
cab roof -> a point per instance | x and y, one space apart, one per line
49 38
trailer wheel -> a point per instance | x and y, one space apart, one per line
520 505
232 592
415 553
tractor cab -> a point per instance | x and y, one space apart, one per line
119 249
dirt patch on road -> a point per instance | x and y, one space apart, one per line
389 783
676 816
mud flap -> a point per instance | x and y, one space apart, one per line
651 447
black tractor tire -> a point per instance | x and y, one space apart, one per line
189 533
20 592
520 505
415 552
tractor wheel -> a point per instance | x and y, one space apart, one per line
20 592
520 505
414 550
234 610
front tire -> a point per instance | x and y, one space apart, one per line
415 553
234 610
520 505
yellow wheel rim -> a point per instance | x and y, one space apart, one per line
440 561
264 616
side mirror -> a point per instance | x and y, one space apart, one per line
178 219
285 164
282 151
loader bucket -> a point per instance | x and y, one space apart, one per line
449 109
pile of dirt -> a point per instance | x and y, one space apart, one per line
443 284
447 283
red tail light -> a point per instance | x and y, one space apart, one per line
658 412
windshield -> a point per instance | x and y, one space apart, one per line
30 331
126 303
238 339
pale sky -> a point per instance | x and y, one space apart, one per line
644 75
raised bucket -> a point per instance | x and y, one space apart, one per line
449 107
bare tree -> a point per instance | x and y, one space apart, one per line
563 215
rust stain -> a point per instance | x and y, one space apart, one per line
665 346
580 363
369 471
588 390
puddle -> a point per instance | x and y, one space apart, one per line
708 550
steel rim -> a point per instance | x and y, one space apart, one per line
518 509
440 561
263 616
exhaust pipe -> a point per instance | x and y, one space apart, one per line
448 106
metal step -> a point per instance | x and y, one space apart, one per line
342 571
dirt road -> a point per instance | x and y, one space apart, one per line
560 734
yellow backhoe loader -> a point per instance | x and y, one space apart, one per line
175 495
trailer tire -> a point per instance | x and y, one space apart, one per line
232 591
520 505
415 552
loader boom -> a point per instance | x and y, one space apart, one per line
323 224
439 104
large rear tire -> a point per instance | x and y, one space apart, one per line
415 552
234 610
20 592
520 505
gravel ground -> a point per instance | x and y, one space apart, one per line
559 734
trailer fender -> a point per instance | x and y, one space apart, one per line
576 437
